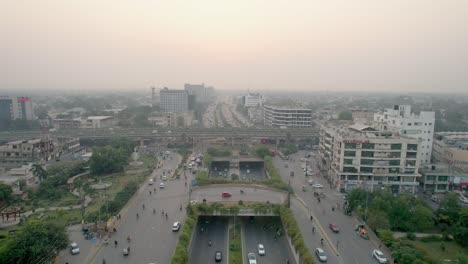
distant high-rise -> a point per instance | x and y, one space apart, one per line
16 107
202 93
252 100
153 96
173 100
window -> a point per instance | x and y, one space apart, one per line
348 161
443 178
367 162
412 146
350 169
367 154
350 153
396 146
350 145
367 169
409 124
430 178
368 145
394 163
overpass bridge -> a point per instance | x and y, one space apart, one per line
160 133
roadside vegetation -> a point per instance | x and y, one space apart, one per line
235 244
386 214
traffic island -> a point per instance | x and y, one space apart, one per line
235 244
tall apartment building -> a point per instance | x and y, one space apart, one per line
359 156
400 119
16 153
252 100
13 107
451 148
173 100
287 117
201 92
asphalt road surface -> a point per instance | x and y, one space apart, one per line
350 247
215 230
213 194
253 172
152 240
262 231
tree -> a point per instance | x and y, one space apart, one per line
107 160
461 228
406 255
22 184
39 172
345 115
5 192
399 214
37 242
450 207
378 220
262 151
421 218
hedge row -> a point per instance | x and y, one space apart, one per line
181 252
290 224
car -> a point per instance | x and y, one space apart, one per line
248 171
377 254
164 178
218 256
310 182
74 249
334 228
463 199
193 202
150 182
321 255
435 198
303 159
161 185
176 226
226 195
317 186
261 250
252 259
220 174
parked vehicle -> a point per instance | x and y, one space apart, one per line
261 250
226 194
74 249
377 254
321 255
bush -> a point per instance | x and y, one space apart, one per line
386 236
411 236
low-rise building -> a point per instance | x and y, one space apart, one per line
255 114
287 116
362 116
14 175
67 123
171 119
99 122
451 148
16 153
440 178
359 156
252 100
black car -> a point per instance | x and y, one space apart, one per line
218 256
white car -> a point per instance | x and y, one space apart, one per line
252 258
164 178
248 170
463 199
317 186
310 182
303 159
321 255
150 182
74 248
176 226
193 202
261 250
377 254
161 185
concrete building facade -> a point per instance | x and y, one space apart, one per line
451 148
15 107
287 117
400 119
95 122
252 100
16 153
173 100
441 178
359 156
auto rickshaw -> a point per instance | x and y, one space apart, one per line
361 231
304 188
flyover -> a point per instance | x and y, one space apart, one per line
252 193
158 133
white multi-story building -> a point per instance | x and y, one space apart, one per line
252 100
359 156
173 100
287 117
12 108
451 148
99 122
401 120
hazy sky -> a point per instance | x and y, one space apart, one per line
379 45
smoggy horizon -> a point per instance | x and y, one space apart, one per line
397 46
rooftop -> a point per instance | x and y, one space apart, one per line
352 130
288 107
99 117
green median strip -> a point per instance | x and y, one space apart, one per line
235 245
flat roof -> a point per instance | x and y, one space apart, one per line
288 107
99 117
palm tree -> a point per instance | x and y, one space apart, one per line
39 172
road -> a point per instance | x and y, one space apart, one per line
216 230
262 231
251 194
351 248
151 234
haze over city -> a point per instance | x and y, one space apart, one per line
380 46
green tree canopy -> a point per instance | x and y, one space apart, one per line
5 192
39 172
262 151
37 242
449 206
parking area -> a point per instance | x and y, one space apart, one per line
214 229
220 169
267 231
252 171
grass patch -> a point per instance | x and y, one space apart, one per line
433 249
235 245
63 217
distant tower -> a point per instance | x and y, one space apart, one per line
153 96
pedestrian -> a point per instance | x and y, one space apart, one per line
337 243
115 243
150 192
114 229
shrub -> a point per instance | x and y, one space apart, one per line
411 236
